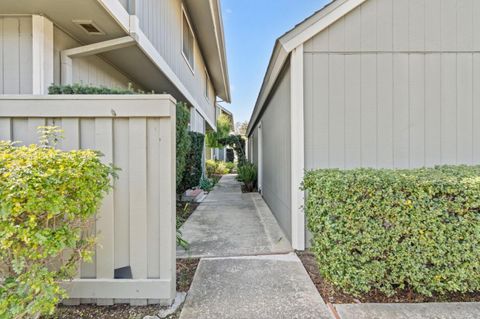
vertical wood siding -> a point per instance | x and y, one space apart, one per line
395 84
90 70
16 55
161 21
276 160
197 122
135 225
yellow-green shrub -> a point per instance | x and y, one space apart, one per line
47 197
216 168
397 229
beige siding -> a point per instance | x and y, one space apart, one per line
276 153
90 70
136 224
393 84
15 55
197 123
161 21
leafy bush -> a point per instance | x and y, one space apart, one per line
47 197
231 167
247 173
217 168
389 230
194 170
206 184
87 89
184 142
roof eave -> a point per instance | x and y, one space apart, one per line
284 45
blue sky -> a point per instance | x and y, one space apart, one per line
251 28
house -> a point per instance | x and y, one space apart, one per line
220 154
172 46
175 48
366 83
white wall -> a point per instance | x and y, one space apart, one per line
161 21
16 55
395 84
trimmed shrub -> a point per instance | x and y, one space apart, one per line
194 169
389 230
47 197
184 142
87 89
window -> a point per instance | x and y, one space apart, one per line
188 42
207 85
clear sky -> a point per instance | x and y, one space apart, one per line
251 28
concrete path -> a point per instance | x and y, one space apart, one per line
229 223
257 287
410 311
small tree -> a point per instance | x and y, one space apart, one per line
223 130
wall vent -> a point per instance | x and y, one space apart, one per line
89 27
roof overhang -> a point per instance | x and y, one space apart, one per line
207 21
141 62
284 45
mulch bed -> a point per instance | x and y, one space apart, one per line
185 271
184 210
334 295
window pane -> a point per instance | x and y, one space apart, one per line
187 42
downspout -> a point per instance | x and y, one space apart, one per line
66 56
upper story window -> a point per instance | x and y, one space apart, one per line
188 42
207 85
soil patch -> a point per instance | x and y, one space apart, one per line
184 210
334 295
185 271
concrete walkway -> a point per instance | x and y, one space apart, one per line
247 269
229 223
256 287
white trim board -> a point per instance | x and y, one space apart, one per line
297 151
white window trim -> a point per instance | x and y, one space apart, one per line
191 67
207 85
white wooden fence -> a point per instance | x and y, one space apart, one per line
136 223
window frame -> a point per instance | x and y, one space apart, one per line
185 16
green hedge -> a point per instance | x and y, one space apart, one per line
87 89
194 170
47 197
389 230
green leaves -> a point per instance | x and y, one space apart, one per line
47 197
395 229
184 142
